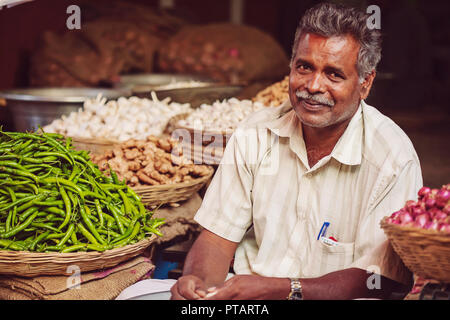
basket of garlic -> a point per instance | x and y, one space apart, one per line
207 129
101 124
155 169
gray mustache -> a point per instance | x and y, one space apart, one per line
317 98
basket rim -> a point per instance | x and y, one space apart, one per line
176 185
94 140
385 225
79 254
227 132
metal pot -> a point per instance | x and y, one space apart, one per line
33 107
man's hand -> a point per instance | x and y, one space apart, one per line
251 287
188 287
206 265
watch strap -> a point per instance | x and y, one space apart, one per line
296 290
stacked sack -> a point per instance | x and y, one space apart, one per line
225 52
108 44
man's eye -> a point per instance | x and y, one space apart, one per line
336 75
303 67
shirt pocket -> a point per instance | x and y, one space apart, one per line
333 257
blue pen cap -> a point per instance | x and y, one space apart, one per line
323 230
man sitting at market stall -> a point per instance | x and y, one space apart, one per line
311 228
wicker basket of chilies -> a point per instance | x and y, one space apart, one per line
32 264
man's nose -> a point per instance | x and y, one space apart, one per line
315 84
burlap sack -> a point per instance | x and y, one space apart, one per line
96 285
108 44
179 221
225 52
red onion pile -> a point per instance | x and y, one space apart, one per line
431 211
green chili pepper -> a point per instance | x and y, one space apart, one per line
18 202
86 233
67 205
116 215
65 182
99 212
52 154
30 203
38 239
67 236
9 244
27 213
76 247
44 226
18 172
133 234
19 228
89 225
127 232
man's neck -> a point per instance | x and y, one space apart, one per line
320 142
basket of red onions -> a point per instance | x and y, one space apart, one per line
420 233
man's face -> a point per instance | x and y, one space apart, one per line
324 86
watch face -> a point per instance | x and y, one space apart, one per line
296 296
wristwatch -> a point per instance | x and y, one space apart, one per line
296 290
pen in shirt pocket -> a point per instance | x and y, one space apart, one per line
331 241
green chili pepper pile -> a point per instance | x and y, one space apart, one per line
54 199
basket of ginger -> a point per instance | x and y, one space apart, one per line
155 169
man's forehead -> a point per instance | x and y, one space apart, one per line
343 47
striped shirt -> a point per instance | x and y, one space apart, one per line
265 196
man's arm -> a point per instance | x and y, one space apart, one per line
208 262
340 285
210 258
347 284
206 265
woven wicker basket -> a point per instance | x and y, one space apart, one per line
171 193
95 146
425 252
99 146
203 155
201 146
32 264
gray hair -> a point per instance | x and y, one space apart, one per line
328 19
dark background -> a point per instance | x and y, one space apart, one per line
412 85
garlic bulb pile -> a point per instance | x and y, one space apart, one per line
119 120
221 115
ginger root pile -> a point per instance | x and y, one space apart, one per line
154 161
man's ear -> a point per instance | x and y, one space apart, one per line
367 85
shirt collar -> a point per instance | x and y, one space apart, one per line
284 124
347 150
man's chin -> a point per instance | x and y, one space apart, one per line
311 120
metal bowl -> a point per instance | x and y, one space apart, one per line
33 107
153 80
205 90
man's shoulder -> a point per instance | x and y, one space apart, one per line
385 143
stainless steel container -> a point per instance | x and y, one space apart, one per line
151 80
33 107
141 85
